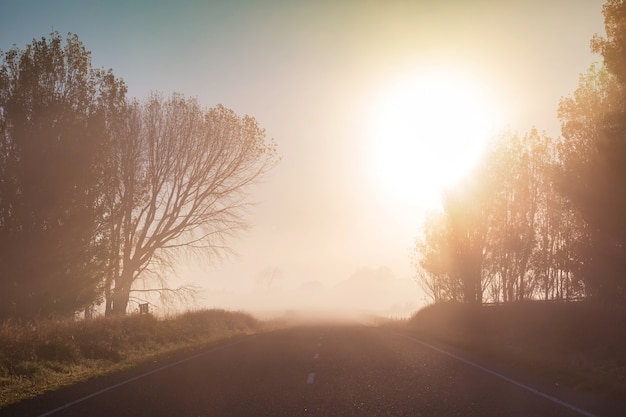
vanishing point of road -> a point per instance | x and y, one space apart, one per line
321 370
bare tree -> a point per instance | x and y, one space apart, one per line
180 173
269 276
432 259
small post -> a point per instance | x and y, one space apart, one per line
144 308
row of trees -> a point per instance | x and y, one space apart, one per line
542 218
99 192
505 234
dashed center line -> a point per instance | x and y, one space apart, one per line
310 378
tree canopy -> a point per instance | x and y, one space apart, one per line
555 214
593 155
53 128
504 233
99 192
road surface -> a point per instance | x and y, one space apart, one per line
325 370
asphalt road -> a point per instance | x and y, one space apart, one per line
313 371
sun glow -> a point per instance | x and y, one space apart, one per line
428 130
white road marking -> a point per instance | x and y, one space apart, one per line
310 378
505 378
119 384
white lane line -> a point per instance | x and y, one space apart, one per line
316 356
154 371
310 378
505 378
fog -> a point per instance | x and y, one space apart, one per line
366 291
326 222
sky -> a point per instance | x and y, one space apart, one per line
316 76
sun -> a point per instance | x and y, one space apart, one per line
428 129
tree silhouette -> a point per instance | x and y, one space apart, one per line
181 175
504 234
593 154
53 110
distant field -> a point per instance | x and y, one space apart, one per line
43 356
579 344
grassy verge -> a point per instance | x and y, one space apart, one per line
582 345
44 356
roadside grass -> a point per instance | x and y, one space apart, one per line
46 355
577 344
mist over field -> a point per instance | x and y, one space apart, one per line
335 173
366 291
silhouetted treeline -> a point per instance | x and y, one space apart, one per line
98 191
543 218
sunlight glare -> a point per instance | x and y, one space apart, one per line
429 130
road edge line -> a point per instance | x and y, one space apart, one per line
503 377
126 381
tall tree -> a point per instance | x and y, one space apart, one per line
503 234
520 164
466 216
181 177
449 259
593 169
613 47
561 249
53 129
598 190
432 262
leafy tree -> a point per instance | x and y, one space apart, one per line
98 193
608 164
613 47
432 260
593 154
503 234
520 163
53 128
449 260
555 220
466 215
562 238
181 173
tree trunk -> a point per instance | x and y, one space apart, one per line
120 301
120 295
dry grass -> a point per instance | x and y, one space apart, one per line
578 344
43 356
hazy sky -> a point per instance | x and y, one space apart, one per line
312 73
